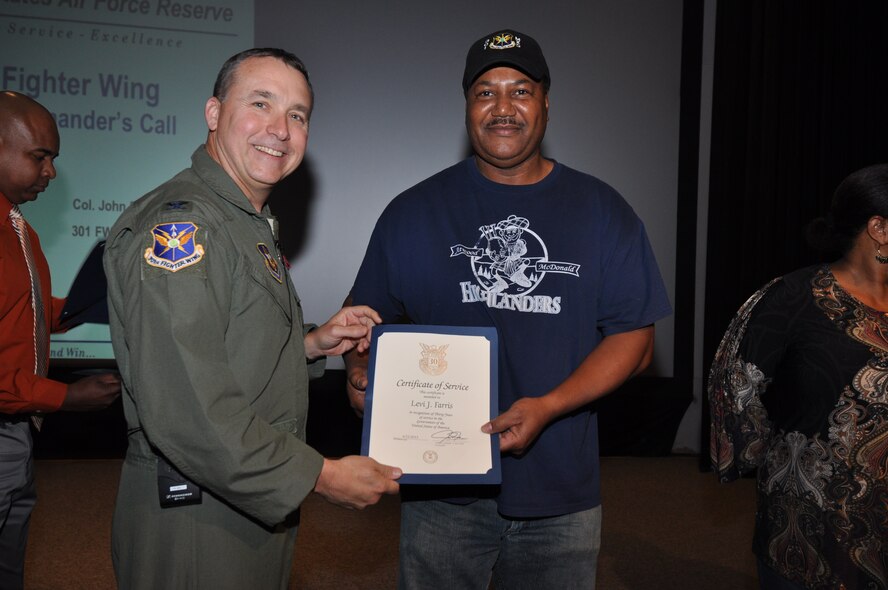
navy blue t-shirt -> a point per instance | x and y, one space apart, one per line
555 266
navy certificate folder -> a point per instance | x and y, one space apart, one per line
430 389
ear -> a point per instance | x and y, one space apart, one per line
211 113
877 228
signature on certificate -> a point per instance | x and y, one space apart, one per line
444 437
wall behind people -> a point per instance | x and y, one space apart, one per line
389 112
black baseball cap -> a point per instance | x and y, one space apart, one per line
506 48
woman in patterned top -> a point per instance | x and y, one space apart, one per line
799 390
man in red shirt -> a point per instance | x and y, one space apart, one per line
29 142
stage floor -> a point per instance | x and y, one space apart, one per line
666 525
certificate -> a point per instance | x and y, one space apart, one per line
430 390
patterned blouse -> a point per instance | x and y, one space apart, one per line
799 390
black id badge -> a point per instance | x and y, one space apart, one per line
172 487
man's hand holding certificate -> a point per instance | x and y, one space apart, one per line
430 390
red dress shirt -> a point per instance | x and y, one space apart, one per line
20 389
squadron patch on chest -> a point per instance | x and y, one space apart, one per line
175 246
270 262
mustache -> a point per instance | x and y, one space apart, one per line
497 121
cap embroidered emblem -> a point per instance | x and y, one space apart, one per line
503 41
174 246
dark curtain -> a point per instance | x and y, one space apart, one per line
800 100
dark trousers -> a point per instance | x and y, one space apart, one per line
17 498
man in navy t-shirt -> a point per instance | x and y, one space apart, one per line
560 264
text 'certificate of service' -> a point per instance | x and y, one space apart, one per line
430 390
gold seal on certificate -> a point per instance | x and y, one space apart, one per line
430 390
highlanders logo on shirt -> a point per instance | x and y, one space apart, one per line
509 261
174 246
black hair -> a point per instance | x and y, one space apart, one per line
226 74
860 196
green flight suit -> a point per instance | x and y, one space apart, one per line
208 334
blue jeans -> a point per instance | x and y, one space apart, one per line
462 547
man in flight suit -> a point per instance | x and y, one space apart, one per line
215 358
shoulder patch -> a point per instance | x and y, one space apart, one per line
174 246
